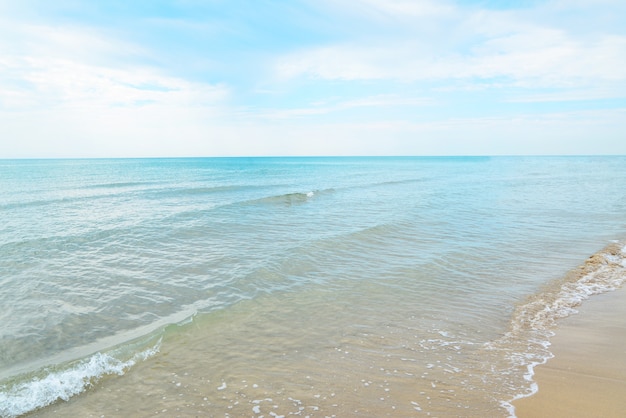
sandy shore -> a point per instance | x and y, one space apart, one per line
587 376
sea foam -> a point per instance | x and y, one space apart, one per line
26 396
534 321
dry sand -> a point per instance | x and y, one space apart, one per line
587 376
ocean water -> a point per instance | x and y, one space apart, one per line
296 286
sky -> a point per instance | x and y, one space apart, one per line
177 78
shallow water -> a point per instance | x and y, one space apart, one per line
332 286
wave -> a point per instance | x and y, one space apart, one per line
289 199
399 182
28 393
120 185
175 191
148 189
533 322
208 190
61 199
80 194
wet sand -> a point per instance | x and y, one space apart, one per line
587 376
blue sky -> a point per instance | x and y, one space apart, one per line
119 78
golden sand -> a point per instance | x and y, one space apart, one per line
587 376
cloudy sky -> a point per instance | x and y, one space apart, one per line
119 78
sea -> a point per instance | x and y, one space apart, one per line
312 287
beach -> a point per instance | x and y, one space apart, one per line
587 376
302 286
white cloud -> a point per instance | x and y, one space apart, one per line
475 45
404 9
575 94
48 82
71 91
390 10
75 91
330 106
341 62
72 67
549 57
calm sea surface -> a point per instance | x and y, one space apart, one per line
295 286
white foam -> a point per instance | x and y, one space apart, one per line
62 385
542 314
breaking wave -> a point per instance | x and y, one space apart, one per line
27 394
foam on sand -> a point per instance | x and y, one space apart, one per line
534 322
587 376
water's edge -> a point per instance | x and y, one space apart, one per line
525 346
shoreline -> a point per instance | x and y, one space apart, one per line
587 376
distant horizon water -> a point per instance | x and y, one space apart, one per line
243 156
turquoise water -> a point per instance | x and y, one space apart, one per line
429 272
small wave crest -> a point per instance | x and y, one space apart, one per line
120 185
289 199
26 395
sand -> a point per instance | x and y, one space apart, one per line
587 376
